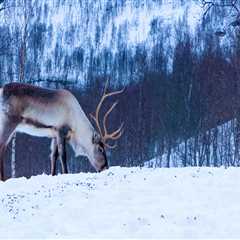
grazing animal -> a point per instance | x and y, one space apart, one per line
55 114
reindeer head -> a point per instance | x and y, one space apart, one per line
101 137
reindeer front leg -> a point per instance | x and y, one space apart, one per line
61 142
58 149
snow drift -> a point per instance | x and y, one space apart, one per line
123 202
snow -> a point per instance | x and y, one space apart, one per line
123 202
137 21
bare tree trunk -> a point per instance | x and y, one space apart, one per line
184 162
22 55
215 147
237 139
169 150
195 151
140 125
22 66
207 148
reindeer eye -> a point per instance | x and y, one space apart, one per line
100 149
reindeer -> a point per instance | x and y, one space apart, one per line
55 114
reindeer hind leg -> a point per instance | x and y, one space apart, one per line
2 151
6 131
54 156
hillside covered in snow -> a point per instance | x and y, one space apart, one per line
71 39
123 202
222 146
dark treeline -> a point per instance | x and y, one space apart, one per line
180 106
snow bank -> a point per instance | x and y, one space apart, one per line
123 202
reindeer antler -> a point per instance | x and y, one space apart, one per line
104 134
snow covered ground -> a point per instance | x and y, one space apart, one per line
123 202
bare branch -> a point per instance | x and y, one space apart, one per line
233 5
215 3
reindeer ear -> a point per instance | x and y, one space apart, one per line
96 138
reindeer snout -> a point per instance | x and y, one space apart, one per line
104 168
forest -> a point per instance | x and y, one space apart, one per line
181 100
